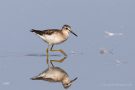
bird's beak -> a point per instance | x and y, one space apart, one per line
73 33
73 80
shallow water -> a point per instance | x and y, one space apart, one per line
22 53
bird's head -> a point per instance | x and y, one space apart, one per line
68 28
68 84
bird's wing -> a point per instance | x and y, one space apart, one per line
50 31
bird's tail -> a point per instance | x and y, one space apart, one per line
37 78
37 31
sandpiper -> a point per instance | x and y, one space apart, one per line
54 36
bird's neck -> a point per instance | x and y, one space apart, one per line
66 80
65 33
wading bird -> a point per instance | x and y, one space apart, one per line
54 36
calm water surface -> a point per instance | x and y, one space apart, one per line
22 54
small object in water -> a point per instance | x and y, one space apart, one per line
55 74
105 51
110 34
118 61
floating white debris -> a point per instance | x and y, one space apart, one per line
118 61
110 34
105 51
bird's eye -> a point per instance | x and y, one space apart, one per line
66 28
67 84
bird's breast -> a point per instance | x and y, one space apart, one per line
54 38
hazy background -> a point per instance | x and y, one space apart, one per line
22 52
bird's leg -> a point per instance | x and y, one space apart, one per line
47 54
47 60
60 50
51 63
61 60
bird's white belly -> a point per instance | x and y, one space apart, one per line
53 39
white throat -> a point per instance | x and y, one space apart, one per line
66 33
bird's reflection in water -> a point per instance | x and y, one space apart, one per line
55 74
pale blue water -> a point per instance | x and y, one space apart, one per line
22 54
